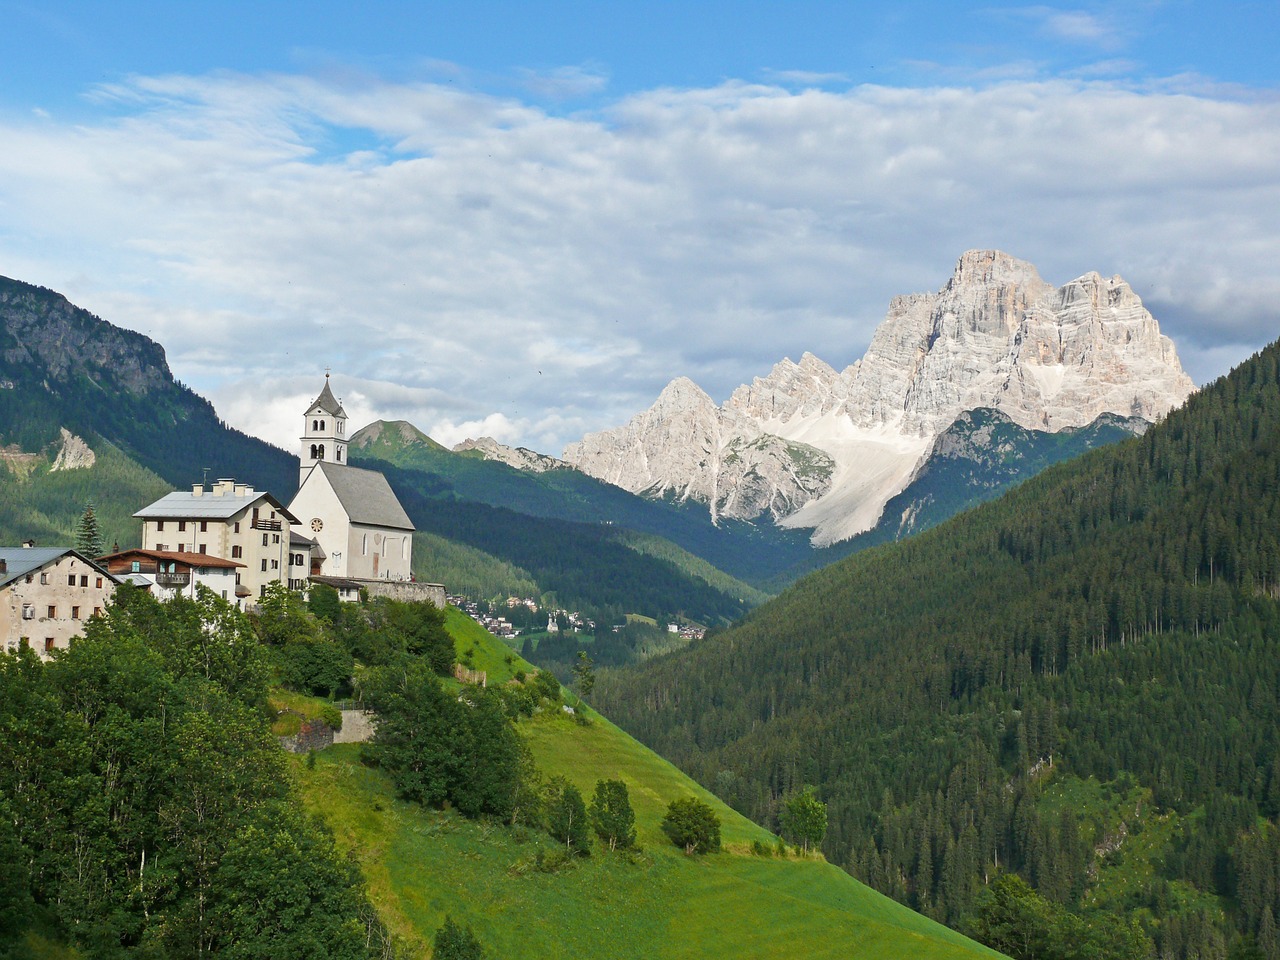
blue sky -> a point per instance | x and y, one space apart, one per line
522 219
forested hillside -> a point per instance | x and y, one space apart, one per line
1078 682
748 551
63 367
587 566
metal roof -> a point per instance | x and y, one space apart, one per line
365 495
185 505
20 561
327 402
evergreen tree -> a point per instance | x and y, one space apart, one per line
89 540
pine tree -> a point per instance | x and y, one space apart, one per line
89 539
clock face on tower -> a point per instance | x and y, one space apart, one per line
317 524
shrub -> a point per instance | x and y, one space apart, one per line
693 825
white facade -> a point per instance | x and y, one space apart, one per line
351 513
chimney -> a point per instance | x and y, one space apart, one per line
28 544
223 486
197 490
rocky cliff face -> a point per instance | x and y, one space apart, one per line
822 449
522 458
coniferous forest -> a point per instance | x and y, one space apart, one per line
1078 684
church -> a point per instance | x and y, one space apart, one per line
352 514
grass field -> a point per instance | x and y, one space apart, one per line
423 864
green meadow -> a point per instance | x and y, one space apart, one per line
424 864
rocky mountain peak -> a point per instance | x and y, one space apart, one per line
996 335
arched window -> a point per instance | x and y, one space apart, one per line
315 424
315 452
339 454
321 424
321 449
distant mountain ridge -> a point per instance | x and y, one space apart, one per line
825 450
66 368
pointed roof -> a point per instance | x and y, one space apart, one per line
328 402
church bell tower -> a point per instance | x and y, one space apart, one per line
324 432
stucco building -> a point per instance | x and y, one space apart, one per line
46 595
228 520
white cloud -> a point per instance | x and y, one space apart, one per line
477 265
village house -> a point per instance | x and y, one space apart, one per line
228 520
169 573
46 595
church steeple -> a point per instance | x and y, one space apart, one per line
324 432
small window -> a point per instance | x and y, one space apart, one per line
159 525
98 583
84 580
321 449
182 548
161 547
204 548
135 567
264 566
265 541
275 538
48 644
53 612
275 564
28 611
339 454
237 552
182 525
97 611
322 427
44 578
224 594
204 526
71 580
237 526
75 613
364 544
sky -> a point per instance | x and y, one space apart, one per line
522 219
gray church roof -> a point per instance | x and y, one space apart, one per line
366 496
19 561
327 401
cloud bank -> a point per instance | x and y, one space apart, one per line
473 263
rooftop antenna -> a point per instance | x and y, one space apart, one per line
204 479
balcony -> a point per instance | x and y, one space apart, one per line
173 579
265 525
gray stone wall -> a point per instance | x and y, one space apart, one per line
357 727
406 590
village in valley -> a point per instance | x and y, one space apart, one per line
344 528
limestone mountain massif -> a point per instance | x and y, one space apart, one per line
816 448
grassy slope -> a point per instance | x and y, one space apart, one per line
424 864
